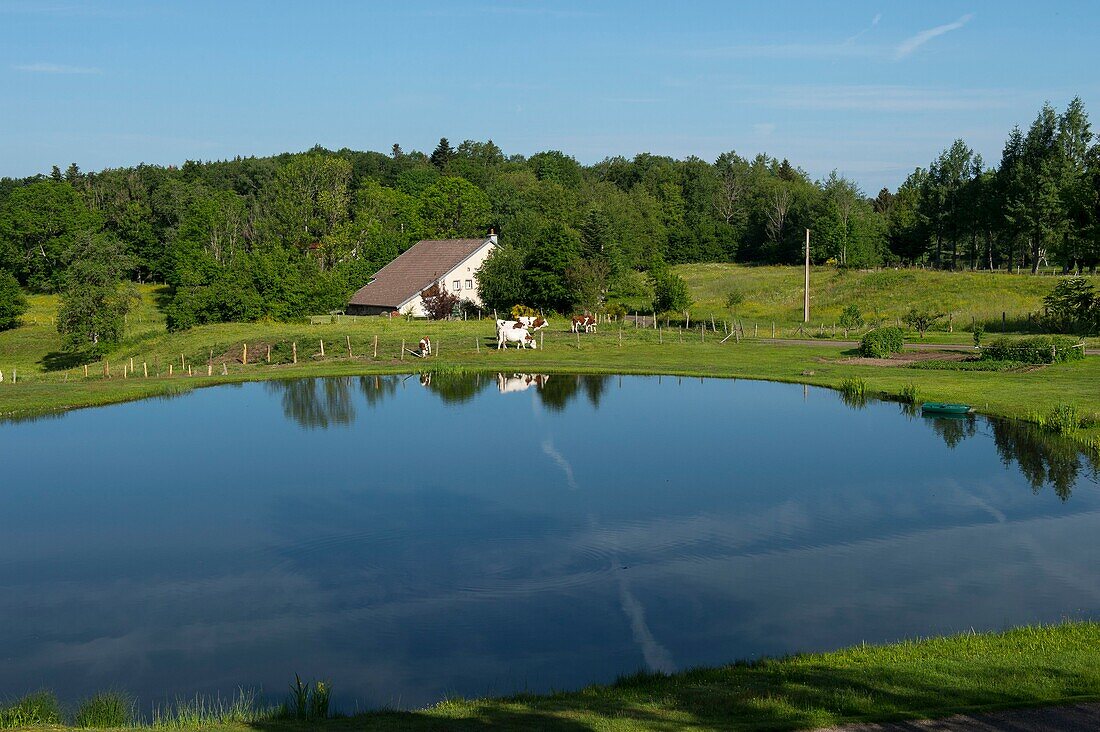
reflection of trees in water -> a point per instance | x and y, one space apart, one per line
594 387
377 388
316 402
953 430
456 388
560 390
1043 458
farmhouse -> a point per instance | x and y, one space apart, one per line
451 263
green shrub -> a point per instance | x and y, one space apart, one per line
308 701
1034 350
851 318
105 709
33 710
909 394
1063 419
881 342
734 298
854 392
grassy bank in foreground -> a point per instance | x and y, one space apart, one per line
914 679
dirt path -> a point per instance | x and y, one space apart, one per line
1074 718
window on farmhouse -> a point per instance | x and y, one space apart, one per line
458 285
469 284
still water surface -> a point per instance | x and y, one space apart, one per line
479 535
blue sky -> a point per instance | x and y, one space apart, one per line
871 89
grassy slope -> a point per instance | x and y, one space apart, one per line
929 678
775 293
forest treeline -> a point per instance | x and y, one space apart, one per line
291 234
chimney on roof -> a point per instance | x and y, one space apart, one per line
493 235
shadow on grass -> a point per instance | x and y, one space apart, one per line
162 297
63 360
758 697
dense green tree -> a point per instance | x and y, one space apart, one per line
555 251
500 280
442 154
308 198
94 299
39 224
452 207
12 302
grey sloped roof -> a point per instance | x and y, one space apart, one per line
420 266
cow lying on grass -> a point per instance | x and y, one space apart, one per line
588 322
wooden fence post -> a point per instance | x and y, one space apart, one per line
181 362
477 344
322 348
349 346
170 369
376 346
402 349
244 354
85 371
269 353
294 351
107 368
145 369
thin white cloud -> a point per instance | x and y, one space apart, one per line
909 45
868 29
46 68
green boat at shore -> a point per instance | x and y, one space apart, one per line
945 408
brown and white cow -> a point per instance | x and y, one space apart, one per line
425 346
587 322
533 322
508 333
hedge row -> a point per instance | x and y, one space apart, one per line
1035 349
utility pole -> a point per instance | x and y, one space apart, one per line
806 302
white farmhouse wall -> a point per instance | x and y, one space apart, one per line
463 273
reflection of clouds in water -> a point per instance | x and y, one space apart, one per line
557 457
1053 565
657 657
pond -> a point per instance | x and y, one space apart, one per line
413 537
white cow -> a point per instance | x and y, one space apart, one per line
514 334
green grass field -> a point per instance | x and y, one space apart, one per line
1024 667
775 293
